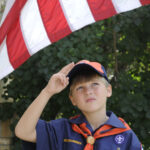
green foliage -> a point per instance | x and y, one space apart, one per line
121 44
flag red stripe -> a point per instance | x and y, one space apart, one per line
145 2
54 20
11 18
102 9
17 50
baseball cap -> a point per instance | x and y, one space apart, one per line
87 65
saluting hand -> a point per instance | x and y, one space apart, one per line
59 81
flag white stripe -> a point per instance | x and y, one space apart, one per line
5 67
32 27
77 13
8 6
126 5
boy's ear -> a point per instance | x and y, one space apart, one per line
72 100
109 91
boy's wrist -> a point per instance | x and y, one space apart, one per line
47 93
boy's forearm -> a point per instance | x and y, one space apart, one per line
25 128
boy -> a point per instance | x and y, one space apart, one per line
94 129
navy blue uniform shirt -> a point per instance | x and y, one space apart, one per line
58 135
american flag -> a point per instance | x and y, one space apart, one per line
28 26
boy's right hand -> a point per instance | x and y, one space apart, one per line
59 81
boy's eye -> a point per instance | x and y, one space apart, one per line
95 84
79 88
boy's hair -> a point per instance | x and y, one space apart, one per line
85 75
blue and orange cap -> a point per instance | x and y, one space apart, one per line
85 64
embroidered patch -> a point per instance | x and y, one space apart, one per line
119 139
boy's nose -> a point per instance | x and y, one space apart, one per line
88 90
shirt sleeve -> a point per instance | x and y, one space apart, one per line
134 142
46 137
49 136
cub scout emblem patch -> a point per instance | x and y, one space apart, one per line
119 139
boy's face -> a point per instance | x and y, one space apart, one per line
91 95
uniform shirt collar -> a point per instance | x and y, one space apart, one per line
78 120
113 120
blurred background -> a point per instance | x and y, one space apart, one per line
120 43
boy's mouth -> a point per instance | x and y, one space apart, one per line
90 100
